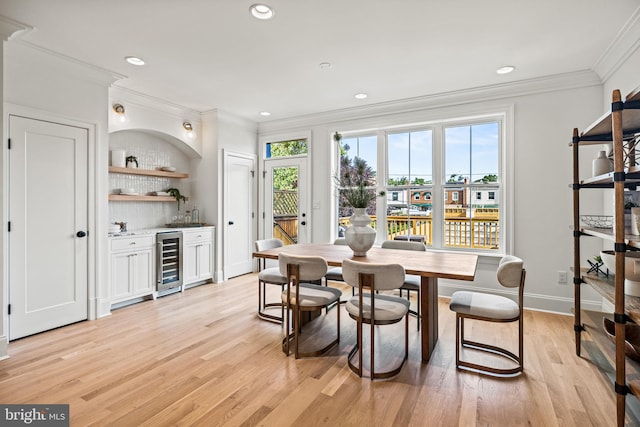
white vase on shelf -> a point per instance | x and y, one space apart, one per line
635 221
118 157
359 236
601 164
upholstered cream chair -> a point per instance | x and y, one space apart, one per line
411 281
269 275
492 308
335 273
375 309
302 294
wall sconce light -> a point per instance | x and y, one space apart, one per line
189 128
119 110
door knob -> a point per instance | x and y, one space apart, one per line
81 234
230 222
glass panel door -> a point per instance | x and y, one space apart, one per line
285 200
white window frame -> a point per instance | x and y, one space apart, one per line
262 144
436 119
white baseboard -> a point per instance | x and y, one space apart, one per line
560 305
4 348
104 307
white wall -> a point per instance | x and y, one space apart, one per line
43 85
544 116
222 131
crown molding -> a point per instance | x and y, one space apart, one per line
500 91
621 48
25 52
11 29
127 96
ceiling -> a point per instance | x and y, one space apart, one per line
212 54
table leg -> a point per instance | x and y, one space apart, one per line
429 312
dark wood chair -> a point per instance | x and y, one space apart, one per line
411 281
375 309
492 308
303 294
269 275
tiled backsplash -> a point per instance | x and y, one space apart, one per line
152 152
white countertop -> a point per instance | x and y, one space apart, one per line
156 230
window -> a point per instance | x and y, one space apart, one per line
358 156
459 160
470 159
286 148
471 154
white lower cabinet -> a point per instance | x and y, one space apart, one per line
197 255
132 267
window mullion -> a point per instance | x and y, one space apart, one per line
437 210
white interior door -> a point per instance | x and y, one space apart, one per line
239 208
285 200
48 217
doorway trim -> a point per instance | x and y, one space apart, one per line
95 237
226 154
262 144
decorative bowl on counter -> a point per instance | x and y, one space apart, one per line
631 337
631 270
597 221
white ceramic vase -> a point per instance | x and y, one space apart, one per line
601 164
635 221
359 236
118 157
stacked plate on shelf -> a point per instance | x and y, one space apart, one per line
113 228
128 192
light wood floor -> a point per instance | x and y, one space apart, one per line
202 357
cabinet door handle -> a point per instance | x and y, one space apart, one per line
132 243
81 234
230 222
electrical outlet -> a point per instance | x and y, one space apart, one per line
562 277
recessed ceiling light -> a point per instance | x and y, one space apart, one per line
261 11
265 113
506 69
361 95
134 60
325 65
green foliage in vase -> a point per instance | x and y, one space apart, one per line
176 194
357 182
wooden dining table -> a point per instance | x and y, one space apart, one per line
429 265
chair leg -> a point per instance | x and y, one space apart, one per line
372 348
520 342
286 340
296 331
483 369
356 349
262 304
458 338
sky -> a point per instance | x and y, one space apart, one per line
470 150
